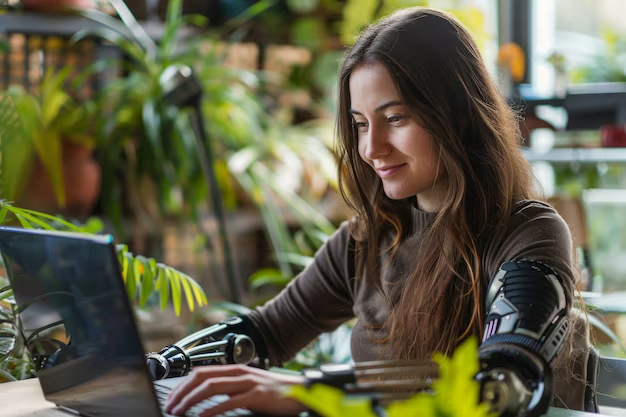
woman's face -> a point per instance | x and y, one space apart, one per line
401 152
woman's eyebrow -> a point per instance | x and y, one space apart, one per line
381 107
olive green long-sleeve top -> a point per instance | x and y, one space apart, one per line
327 293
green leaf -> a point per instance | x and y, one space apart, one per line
138 32
199 293
152 125
232 308
25 224
300 260
33 220
331 402
175 285
65 223
188 294
456 390
163 285
6 292
124 264
147 280
3 213
173 22
131 280
268 276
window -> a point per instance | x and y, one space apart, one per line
590 36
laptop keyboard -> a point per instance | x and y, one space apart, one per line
163 392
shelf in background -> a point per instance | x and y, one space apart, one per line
65 24
588 155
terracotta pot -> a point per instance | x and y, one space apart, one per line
56 5
81 177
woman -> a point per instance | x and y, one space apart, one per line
430 163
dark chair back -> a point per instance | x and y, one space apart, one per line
591 397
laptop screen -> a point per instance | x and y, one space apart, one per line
78 323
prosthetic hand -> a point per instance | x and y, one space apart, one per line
525 329
235 340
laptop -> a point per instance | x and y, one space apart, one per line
80 327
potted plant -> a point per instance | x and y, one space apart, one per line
147 147
47 159
150 157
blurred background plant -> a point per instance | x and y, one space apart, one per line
46 127
608 65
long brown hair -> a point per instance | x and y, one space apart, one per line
440 75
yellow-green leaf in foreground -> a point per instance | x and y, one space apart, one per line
163 285
188 294
175 285
458 394
331 402
147 279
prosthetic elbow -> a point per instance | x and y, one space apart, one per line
525 328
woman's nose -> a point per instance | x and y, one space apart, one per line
377 144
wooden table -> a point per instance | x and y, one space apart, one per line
25 399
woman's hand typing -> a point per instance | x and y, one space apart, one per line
251 388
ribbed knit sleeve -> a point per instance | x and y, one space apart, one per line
318 300
535 231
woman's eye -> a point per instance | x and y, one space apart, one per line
395 119
360 126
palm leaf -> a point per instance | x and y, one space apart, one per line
188 294
147 280
176 290
163 285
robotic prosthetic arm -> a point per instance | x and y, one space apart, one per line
525 328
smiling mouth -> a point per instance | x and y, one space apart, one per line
389 171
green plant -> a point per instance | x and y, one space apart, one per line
38 125
15 361
274 172
606 66
358 13
148 148
143 277
456 393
